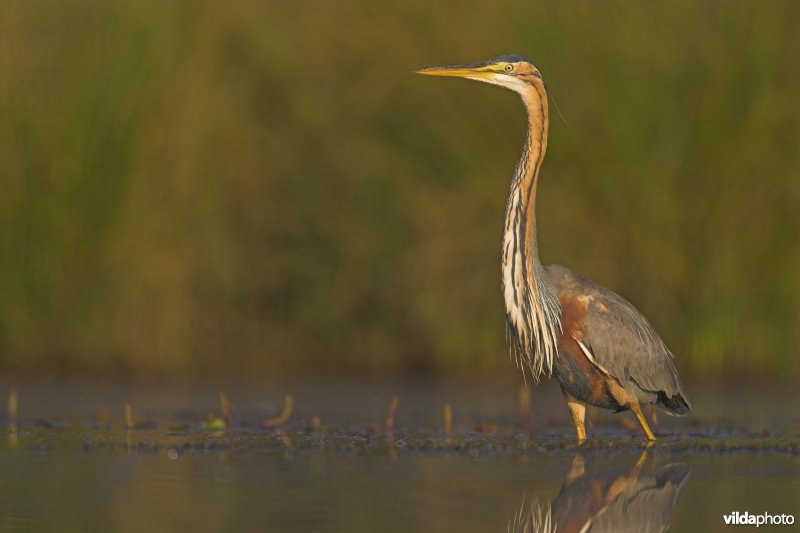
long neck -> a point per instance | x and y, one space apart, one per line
532 306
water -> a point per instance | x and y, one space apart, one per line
69 464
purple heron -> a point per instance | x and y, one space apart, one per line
598 346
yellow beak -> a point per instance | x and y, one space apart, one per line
477 70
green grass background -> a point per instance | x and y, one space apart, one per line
265 187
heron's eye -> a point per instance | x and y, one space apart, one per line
509 68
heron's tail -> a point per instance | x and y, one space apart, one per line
675 405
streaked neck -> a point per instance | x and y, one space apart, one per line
532 306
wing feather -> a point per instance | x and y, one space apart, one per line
621 340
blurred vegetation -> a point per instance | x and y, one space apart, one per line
262 187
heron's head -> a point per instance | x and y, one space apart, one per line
513 72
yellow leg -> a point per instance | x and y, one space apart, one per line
578 412
577 469
637 411
626 399
638 466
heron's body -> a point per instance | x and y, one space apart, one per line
600 349
609 355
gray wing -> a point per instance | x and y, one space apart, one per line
619 337
648 505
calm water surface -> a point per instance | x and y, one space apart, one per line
69 464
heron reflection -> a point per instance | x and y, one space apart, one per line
615 500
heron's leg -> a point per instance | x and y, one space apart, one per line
638 466
577 469
637 411
619 485
629 401
578 411
654 417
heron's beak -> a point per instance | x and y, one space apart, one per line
479 71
